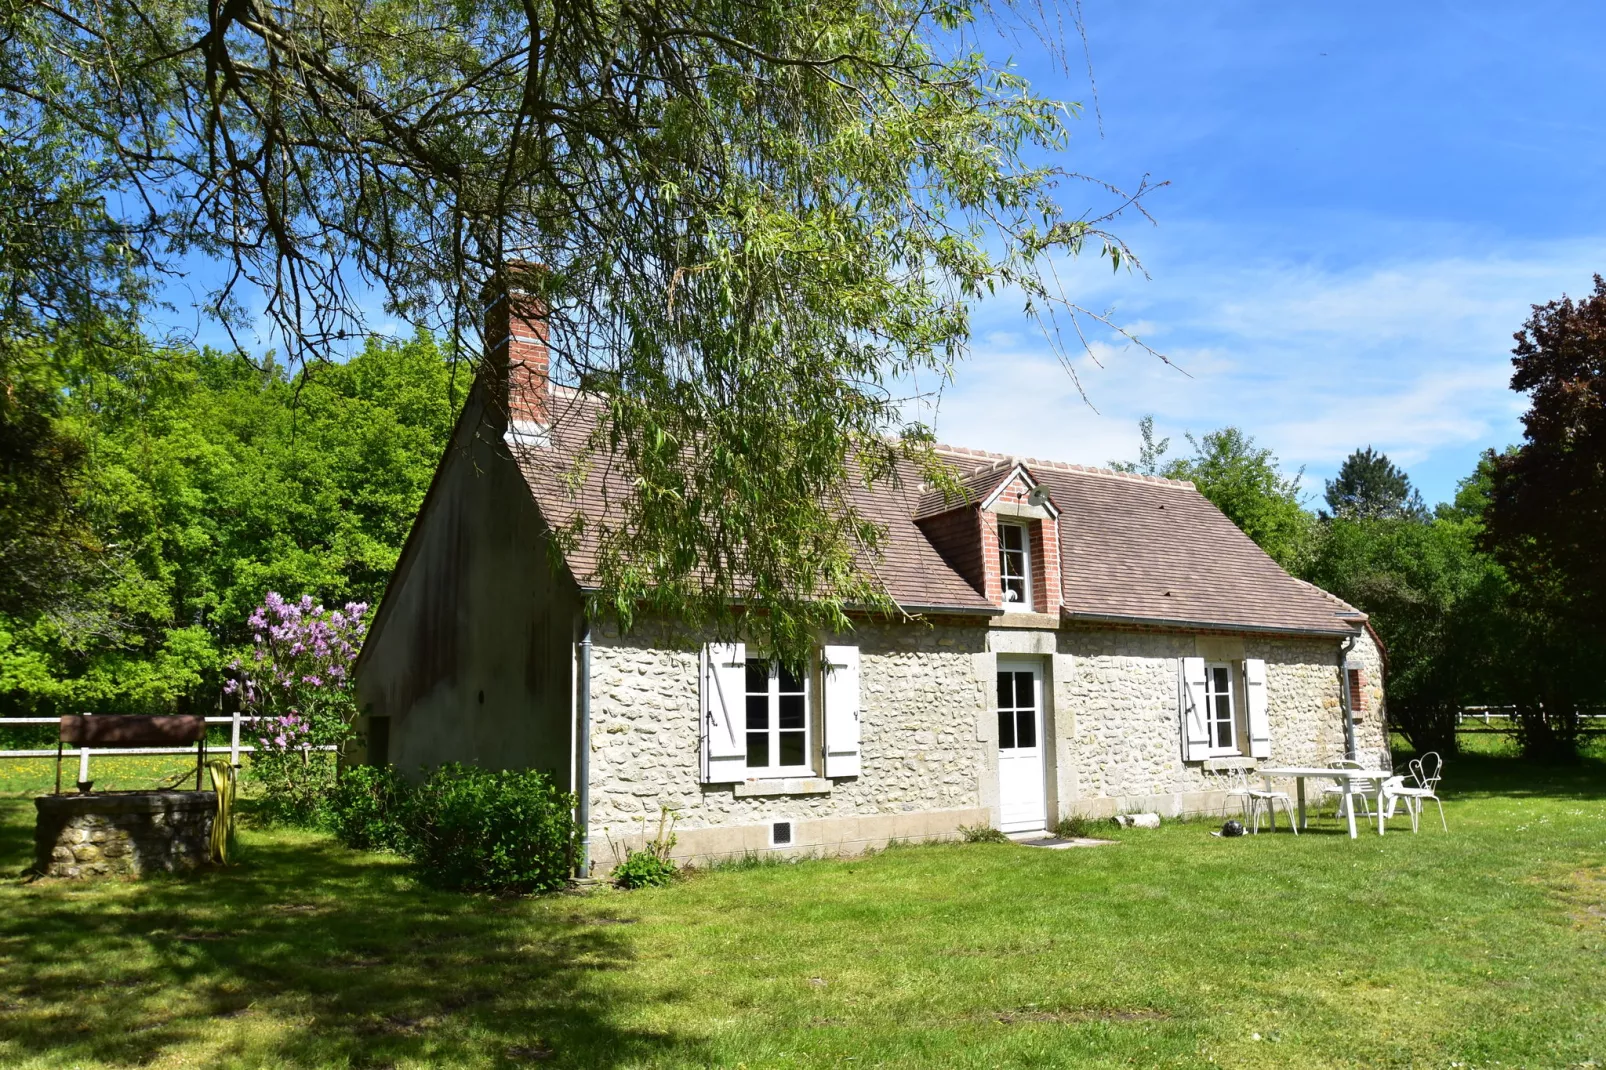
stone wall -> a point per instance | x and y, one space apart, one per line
1119 725
928 727
122 833
924 690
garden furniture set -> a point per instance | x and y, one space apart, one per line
1352 783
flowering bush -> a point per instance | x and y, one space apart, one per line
297 682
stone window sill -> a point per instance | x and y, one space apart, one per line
1220 765
809 785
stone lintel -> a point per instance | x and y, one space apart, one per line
1044 621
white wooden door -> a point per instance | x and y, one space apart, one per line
1021 797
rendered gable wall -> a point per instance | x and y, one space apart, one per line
473 657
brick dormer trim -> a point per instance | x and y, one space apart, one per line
1020 499
1033 502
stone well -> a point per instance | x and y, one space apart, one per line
122 832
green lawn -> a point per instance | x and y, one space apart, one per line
1484 947
110 773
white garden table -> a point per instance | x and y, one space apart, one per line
1347 776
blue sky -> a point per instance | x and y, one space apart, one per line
1364 201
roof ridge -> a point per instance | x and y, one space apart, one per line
1058 466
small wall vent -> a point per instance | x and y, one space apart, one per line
780 833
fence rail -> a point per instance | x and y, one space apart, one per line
235 747
1486 714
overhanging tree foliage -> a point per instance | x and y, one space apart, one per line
756 219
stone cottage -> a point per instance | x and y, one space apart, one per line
1087 642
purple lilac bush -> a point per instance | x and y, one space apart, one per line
297 681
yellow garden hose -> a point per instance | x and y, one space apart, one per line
223 781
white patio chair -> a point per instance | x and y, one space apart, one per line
1419 785
1232 786
1254 798
1347 791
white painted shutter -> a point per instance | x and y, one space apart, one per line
1255 700
840 665
1191 689
724 713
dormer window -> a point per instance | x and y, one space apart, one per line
1015 566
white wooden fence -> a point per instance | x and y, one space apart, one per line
235 748
1488 714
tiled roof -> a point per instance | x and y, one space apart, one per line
1133 548
1148 549
914 574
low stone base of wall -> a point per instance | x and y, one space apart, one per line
810 837
122 833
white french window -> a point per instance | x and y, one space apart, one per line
1015 566
778 728
1221 720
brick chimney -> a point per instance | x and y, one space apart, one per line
516 353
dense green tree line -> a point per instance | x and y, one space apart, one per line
199 482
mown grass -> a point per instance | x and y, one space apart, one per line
112 772
1484 947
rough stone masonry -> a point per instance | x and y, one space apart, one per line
124 833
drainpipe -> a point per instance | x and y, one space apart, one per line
582 750
1343 697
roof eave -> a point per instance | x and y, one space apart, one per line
907 607
1342 627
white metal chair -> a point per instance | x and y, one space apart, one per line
1348 791
1419 785
1254 798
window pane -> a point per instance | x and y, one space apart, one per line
790 681
791 748
1026 735
1006 690
758 675
791 712
1014 589
1223 733
758 712
1012 537
758 749
1006 729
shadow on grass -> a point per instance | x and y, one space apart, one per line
1481 775
337 956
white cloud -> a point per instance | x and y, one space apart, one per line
1411 356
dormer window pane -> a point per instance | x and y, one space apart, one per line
1014 566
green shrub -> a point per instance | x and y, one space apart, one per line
368 809
651 866
480 830
1074 827
643 869
981 834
